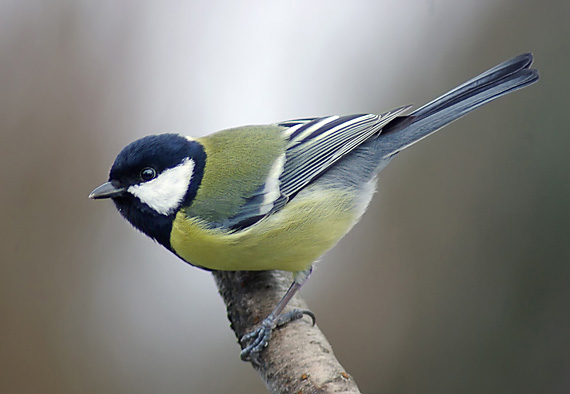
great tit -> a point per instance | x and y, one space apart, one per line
278 196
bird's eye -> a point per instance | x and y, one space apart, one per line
148 173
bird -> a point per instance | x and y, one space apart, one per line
278 196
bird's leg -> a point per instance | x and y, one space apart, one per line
258 339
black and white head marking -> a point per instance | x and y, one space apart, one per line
159 174
166 190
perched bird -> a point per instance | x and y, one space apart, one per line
278 196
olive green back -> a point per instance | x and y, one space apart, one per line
241 160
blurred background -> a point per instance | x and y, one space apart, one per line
455 281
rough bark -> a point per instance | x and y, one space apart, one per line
298 359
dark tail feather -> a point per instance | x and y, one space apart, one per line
507 77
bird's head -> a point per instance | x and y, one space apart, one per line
152 178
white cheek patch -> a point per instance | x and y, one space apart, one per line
165 192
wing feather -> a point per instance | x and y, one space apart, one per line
313 146
321 142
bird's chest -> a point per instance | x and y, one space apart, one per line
290 240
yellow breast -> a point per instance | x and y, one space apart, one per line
289 240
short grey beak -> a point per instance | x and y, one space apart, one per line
106 190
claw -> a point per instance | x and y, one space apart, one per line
295 314
259 338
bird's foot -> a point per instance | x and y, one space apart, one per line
258 339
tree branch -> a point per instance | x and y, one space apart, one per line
299 358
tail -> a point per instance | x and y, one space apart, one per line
505 78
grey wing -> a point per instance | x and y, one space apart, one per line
318 144
313 146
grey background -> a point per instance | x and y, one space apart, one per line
455 281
